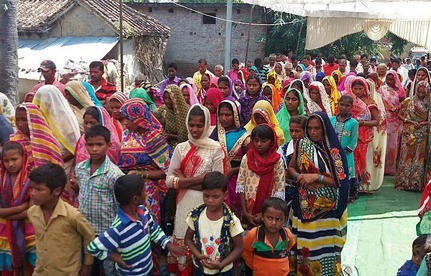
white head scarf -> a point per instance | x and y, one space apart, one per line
312 105
204 141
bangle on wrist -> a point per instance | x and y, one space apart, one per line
320 178
176 183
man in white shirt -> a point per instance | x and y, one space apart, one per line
396 66
203 68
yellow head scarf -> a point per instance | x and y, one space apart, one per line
334 98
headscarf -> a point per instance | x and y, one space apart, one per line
360 109
264 108
176 118
282 75
135 146
192 83
243 75
232 96
377 98
283 116
192 95
400 90
339 75
213 82
121 98
92 93
15 194
346 84
275 98
335 96
264 167
305 75
312 105
277 80
335 161
204 141
81 153
142 94
321 75
59 116
381 65
413 87
215 97
28 98
254 68
151 90
6 109
41 144
5 130
304 69
248 102
77 90
301 83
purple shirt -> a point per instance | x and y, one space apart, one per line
233 75
166 82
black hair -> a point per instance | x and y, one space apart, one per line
172 65
361 74
93 112
331 59
277 204
421 240
397 60
52 175
373 59
223 79
294 91
353 63
215 180
255 77
196 111
364 56
128 186
293 58
318 60
208 76
97 64
98 131
263 132
412 72
357 82
299 120
235 61
297 83
202 61
347 99
258 62
12 145
181 81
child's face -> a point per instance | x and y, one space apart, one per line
89 121
418 253
296 131
224 88
273 220
214 198
40 193
12 161
21 121
196 126
97 147
344 107
140 200
262 145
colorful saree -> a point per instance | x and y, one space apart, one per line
121 98
175 119
313 106
334 97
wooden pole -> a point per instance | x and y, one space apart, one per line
248 36
121 47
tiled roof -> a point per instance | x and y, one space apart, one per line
39 16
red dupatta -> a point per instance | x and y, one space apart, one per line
264 167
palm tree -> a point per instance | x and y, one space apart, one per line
9 50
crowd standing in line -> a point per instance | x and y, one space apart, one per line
249 172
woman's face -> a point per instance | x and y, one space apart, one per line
315 95
168 101
226 119
297 86
89 121
336 78
21 121
205 82
306 83
271 80
115 107
253 87
358 90
196 126
390 80
224 88
298 69
186 95
267 92
327 86
278 68
259 119
208 104
291 102
130 125
314 130
421 75
381 71
72 100
296 132
421 92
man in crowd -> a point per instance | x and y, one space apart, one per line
218 70
172 77
329 67
202 69
48 70
102 87
342 66
263 70
233 73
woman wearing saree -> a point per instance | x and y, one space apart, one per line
264 114
393 95
317 99
79 100
142 94
376 149
272 78
190 162
235 141
115 103
332 92
144 151
188 94
338 76
211 101
175 115
412 170
422 74
318 216
381 72
293 104
272 94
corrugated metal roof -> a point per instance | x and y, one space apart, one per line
81 50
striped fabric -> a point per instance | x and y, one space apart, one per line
41 147
132 240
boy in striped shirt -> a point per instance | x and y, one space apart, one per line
128 241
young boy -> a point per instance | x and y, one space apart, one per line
346 128
96 177
60 228
420 247
214 232
128 242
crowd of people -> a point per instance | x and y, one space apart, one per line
249 171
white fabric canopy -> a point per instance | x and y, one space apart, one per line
329 20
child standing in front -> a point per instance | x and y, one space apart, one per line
61 230
266 247
261 174
346 128
17 241
214 232
96 177
128 241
